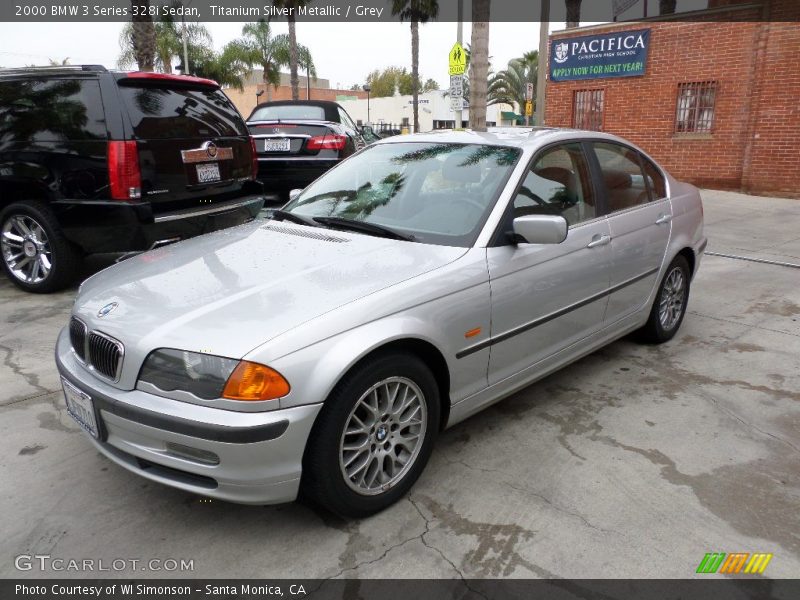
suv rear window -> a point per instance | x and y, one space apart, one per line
45 110
158 112
289 111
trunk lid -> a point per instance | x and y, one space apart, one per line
193 144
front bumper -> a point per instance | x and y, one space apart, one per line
259 454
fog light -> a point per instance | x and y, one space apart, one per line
193 454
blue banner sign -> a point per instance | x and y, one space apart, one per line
618 54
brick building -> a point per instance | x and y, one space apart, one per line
718 102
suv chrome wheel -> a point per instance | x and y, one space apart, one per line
26 249
383 435
672 299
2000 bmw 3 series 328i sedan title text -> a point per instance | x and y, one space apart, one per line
421 280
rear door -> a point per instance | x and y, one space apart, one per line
193 144
639 217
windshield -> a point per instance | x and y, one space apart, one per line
288 111
435 193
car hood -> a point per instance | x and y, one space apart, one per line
230 291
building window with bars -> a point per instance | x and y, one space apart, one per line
695 113
587 110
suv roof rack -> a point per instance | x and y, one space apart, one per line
54 68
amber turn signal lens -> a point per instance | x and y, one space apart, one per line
252 381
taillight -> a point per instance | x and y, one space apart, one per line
326 142
254 166
124 176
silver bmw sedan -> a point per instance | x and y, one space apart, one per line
420 281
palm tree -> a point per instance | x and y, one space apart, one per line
415 11
307 62
143 35
509 85
573 13
479 64
294 56
667 7
169 44
257 46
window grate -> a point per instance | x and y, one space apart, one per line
695 110
588 109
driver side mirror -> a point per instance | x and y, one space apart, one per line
295 193
540 229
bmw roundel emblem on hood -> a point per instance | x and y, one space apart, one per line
107 309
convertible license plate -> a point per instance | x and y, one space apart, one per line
80 407
207 173
281 145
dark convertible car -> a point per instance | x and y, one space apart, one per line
297 141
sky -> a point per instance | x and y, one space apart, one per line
343 53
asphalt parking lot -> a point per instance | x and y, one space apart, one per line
631 463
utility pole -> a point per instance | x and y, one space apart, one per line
541 80
458 115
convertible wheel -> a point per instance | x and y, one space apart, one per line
373 436
669 307
36 256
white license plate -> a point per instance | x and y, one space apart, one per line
207 173
80 407
282 145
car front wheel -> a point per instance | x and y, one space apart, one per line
373 436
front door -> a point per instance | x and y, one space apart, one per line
548 296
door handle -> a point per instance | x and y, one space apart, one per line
599 241
663 219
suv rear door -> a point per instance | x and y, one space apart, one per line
192 143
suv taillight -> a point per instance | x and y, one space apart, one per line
255 157
124 176
326 142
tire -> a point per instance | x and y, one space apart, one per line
331 453
662 326
31 239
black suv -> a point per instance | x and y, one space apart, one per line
96 161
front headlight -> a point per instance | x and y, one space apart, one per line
210 377
203 375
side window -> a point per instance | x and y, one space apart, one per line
42 110
346 120
622 176
558 184
657 184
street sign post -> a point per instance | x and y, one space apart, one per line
529 91
457 60
457 92
528 108
456 65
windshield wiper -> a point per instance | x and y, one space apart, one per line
284 215
364 227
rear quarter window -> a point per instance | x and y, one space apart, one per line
51 110
162 113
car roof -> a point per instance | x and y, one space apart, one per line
521 137
320 103
51 71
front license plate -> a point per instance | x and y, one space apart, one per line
282 145
80 407
207 173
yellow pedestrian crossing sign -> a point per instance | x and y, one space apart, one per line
457 60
